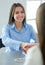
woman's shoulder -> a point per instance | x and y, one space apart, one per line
28 26
35 54
7 26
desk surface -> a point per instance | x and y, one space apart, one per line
8 58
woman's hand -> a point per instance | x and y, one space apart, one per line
26 46
25 49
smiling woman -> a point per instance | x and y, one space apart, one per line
17 32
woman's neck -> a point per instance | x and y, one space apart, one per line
19 25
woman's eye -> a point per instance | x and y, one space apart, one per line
22 11
17 12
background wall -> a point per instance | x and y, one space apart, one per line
5 6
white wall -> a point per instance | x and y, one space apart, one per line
5 6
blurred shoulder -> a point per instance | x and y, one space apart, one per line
28 26
7 26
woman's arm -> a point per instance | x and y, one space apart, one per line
33 35
7 41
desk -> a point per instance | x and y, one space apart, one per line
8 58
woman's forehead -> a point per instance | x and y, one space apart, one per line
18 8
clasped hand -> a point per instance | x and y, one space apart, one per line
26 47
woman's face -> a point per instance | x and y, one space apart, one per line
19 14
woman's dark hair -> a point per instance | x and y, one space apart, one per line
11 15
40 20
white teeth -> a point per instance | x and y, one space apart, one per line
20 18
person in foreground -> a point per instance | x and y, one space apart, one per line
36 54
17 33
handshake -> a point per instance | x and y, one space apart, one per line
26 46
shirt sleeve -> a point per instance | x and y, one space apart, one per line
7 41
34 56
30 58
33 35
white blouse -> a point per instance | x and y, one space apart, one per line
34 56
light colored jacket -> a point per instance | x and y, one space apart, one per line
34 56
